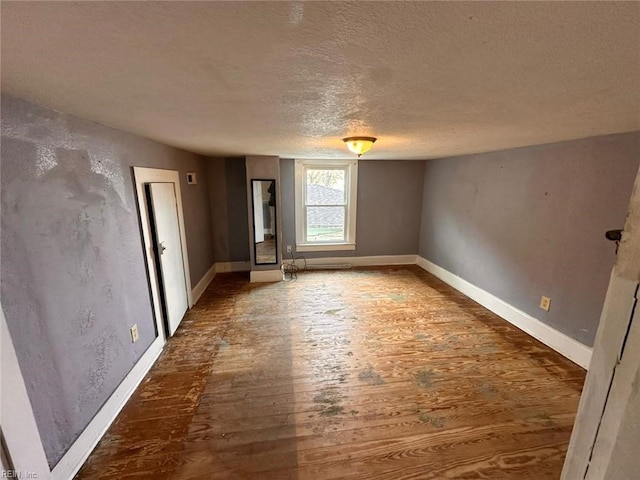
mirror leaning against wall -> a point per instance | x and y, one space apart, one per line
265 243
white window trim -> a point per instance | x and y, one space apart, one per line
352 194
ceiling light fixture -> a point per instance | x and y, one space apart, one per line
359 145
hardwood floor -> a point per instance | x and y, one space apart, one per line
377 373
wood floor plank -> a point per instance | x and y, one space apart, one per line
371 373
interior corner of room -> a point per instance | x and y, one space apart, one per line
114 225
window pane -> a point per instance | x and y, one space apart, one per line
325 224
325 187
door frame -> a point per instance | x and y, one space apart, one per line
142 176
19 429
608 385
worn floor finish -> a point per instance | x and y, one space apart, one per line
382 373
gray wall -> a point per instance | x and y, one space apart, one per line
227 183
388 215
73 272
528 222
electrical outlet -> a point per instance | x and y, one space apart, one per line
134 333
288 248
545 303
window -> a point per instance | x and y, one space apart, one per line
326 204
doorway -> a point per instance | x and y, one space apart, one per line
162 223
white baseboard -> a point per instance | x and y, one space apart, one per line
561 343
75 457
362 261
224 267
202 285
259 276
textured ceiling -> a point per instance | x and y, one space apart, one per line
429 79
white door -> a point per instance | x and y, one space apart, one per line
258 216
169 252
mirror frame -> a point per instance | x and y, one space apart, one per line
275 221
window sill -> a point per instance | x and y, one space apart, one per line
325 247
